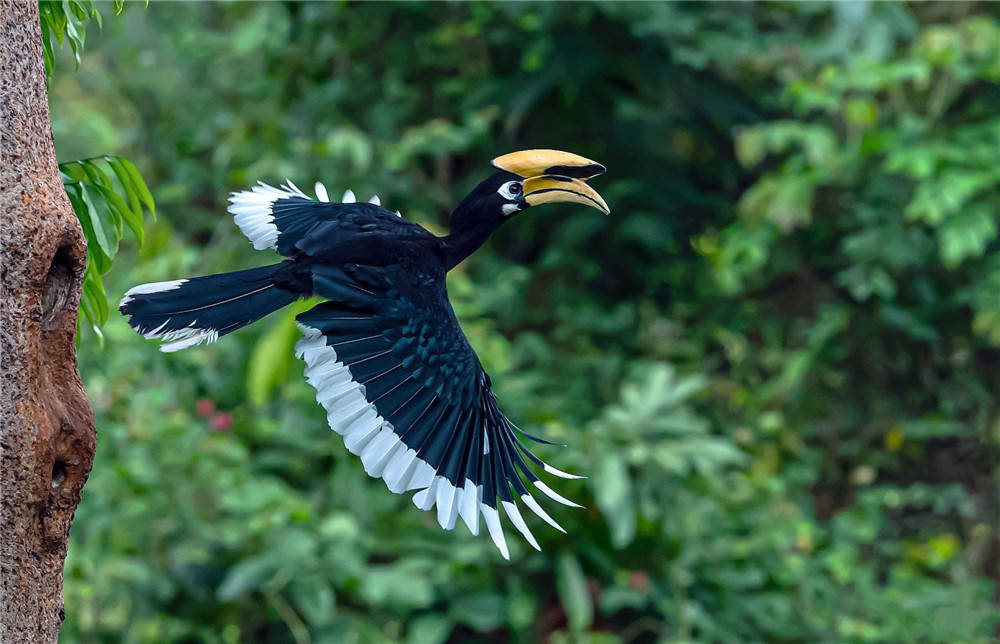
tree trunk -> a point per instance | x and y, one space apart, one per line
47 437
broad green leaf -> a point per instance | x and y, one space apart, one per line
95 253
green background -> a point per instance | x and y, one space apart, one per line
777 360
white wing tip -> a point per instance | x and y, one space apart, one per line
468 506
252 211
515 517
492 518
563 475
152 287
532 504
183 338
555 496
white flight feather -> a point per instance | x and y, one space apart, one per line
383 454
152 287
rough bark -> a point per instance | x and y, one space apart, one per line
47 436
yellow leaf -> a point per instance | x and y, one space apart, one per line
894 438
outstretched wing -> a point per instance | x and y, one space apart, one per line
280 218
401 384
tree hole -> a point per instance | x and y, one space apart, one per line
58 473
57 285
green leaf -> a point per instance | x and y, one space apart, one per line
131 192
139 185
247 575
573 593
47 53
966 234
100 220
122 213
314 598
103 215
93 290
481 611
273 353
94 173
429 629
613 492
87 303
117 207
75 170
95 254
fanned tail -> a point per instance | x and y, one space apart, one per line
188 312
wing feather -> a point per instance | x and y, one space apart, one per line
401 384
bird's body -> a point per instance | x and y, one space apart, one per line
385 352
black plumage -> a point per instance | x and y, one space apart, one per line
385 352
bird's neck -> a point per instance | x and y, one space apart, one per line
462 243
468 232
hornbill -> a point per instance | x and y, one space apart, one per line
385 352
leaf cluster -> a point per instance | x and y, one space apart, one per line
105 208
66 20
102 211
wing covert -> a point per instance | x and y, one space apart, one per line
282 218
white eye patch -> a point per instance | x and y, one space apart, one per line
510 190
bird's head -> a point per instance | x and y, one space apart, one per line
536 177
524 179
529 178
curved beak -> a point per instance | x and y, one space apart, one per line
554 188
554 176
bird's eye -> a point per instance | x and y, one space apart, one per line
510 190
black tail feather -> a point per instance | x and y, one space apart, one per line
184 313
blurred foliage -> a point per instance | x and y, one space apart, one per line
777 359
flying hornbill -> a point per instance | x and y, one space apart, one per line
385 352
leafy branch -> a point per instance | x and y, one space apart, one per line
66 20
104 214
105 207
